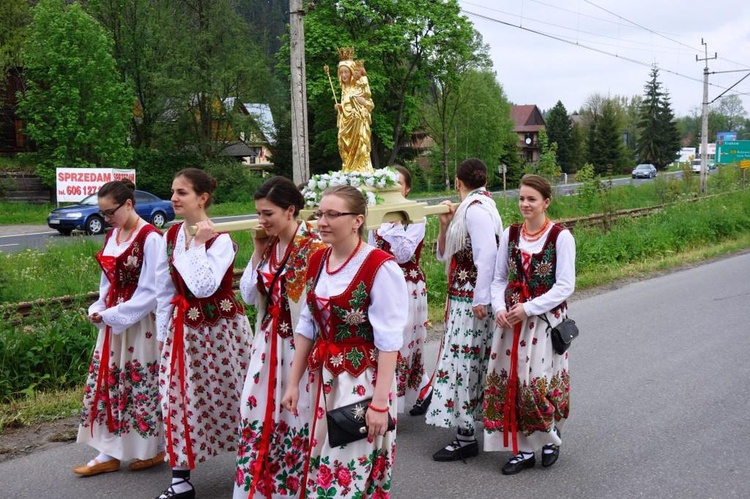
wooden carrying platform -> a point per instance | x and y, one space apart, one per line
393 208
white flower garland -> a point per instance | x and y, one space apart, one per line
379 179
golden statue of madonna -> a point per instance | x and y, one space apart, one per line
354 113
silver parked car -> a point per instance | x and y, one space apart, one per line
644 170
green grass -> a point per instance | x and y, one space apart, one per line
24 213
41 407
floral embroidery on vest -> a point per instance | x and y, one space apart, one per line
412 271
345 341
542 270
203 311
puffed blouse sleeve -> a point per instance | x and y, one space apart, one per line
387 312
565 277
500 276
165 292
203 269
306 324
143 301
249 283
479 225
403 239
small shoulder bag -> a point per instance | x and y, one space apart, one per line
562 335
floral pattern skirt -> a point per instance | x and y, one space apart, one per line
279 473
359 469
543 388
410 373
458 383
208 411
133 395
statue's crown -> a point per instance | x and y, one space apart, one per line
359 63
346 54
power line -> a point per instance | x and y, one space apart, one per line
639 26
587 47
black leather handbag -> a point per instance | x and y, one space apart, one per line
562 335
347 424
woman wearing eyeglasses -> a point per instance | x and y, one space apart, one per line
272 445
404 242
121 416
206 336
348 336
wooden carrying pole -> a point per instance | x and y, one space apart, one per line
409 212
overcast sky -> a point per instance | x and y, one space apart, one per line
536 69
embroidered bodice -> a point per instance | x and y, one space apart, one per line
345 341
531 275
123 271
199 311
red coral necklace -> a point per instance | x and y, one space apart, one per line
534 236
328 259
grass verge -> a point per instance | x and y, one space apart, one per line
41 407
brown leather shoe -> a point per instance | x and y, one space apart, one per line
143 464
98 468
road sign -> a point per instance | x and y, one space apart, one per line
745 163
732 151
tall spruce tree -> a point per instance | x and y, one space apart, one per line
560 132
659 137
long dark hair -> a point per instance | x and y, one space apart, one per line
202 182
473 173
119 190
281 192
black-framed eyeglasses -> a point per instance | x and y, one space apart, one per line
111 213
331 215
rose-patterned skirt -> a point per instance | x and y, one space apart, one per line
410 373
543 389
133 395
358 469
287 441
458 384
216 360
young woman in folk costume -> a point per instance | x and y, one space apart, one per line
405 243
273 442
527 393
121 416
206 336
467 242
349 336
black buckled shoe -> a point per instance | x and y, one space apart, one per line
171 494
517 464
550 453
457 452
421 406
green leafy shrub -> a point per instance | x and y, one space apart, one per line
236 183
50 349
156 169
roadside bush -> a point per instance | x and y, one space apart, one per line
50 349
155 169
236 183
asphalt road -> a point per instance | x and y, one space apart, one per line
659 409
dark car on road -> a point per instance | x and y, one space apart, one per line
644 170
85 215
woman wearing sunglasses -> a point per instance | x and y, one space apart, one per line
121 416
349 336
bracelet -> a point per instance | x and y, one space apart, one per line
378 409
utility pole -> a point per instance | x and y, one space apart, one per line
300 152
704 120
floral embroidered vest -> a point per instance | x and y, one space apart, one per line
542 269
123 271
291 282
203 311
463 272
345 341
412 271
